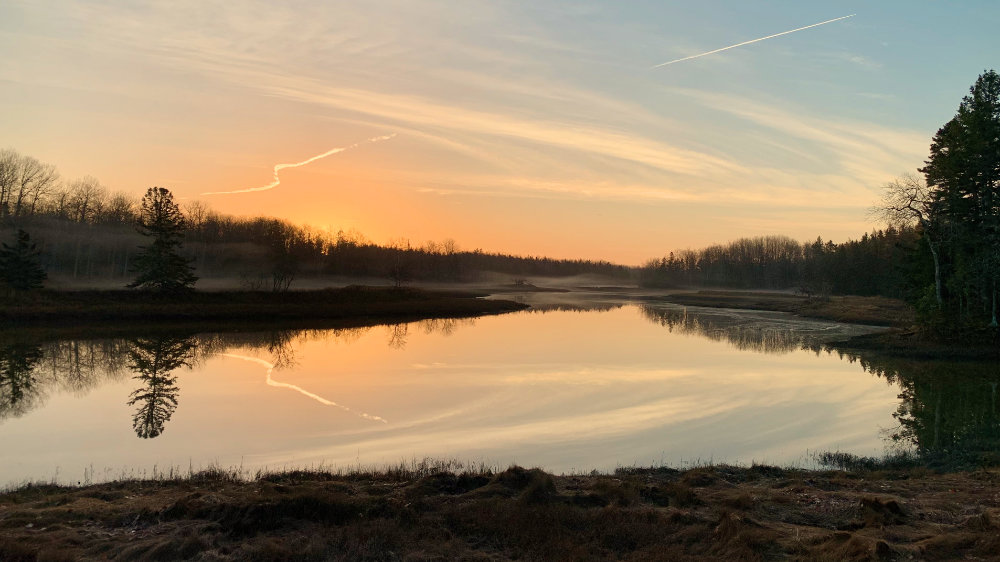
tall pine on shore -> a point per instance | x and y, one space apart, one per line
160 265
20 269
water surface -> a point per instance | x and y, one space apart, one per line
565 389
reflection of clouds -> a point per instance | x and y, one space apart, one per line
761 332
271 382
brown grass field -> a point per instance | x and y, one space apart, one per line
432 511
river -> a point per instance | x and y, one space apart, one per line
567 387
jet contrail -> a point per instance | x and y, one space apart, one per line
316 397
751 41
279 167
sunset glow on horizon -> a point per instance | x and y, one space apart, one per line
549 128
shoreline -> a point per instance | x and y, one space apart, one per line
440 510
900 339
354 304
869 311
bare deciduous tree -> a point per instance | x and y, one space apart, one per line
907 199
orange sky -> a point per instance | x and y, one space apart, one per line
537 128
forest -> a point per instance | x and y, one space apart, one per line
86 233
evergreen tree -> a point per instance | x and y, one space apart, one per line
160 266
963 174
20 268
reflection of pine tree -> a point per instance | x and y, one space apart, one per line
17 376
153 360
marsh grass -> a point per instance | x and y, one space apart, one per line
446 509
354 302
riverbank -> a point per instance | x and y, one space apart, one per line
903 339
354 303
871 311
432 511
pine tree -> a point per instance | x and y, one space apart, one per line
160 265
963 174
20 267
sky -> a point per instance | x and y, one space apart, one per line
542 127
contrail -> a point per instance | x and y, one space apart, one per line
751 41
279 167
316 397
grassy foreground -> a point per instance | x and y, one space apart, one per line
437 511
355 302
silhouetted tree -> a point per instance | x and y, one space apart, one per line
20 268
160 266
153 360
963 177
908 199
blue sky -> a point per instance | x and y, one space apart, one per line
530 127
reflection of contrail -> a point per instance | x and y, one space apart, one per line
279 167
316 397
752 41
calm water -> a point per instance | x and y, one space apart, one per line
567 390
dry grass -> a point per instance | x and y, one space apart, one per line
446 511
349 303
874 311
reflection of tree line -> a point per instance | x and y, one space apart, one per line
745 337
948 411
30 371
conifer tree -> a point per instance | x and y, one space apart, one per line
20 267
160 265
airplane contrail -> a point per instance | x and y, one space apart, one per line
316 397
750 41
279 167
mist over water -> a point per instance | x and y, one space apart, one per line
568 386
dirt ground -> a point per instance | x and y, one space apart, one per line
707 513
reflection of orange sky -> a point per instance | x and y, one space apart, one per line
563 390
505 384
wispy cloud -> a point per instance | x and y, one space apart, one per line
279 167
705 54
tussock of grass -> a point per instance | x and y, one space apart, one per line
427 509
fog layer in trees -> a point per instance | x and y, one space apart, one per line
86 232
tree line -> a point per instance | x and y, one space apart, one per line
956 207
871 265
941 249
84 231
